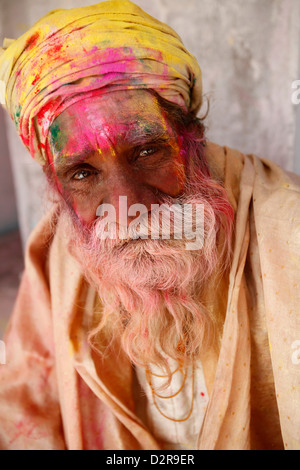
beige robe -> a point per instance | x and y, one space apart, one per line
55 393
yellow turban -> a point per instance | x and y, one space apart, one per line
68 53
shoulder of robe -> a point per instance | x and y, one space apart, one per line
273 178
276 192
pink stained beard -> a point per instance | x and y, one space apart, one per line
151 291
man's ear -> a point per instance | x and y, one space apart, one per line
49 173
48 168
45 169
52 190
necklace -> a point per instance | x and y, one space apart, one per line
154 394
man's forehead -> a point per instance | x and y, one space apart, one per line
108 121
117 106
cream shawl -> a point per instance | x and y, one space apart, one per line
56 394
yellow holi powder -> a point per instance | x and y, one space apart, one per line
71 349
107 155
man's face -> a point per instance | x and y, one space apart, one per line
122 144
116 144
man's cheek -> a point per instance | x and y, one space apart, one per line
84 207
170 181
176 178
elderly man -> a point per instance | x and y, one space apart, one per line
120 340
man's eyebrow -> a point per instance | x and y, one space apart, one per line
146 132
138 135
65 161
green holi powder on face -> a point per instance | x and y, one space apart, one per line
57 138
147 128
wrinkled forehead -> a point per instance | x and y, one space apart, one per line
127 116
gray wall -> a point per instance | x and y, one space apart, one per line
297 134
8 207
249 54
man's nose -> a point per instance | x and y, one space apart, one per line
129 196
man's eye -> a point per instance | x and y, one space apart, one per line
81 175
146 152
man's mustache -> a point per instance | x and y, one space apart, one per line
164 221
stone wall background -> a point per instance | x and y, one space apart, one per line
249 53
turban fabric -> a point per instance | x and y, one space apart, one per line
69 54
